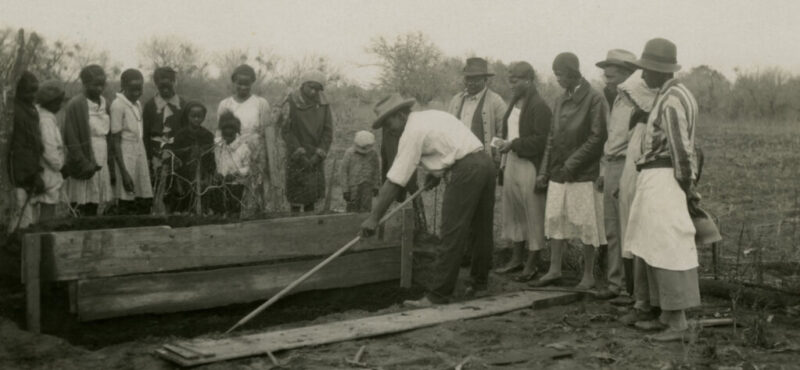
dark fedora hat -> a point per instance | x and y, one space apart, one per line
477 67
659 55
389 105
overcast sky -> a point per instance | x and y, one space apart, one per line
723 34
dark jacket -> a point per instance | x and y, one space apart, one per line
534 126
577 135
26 146
153 125
80 162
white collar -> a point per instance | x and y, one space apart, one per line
137 108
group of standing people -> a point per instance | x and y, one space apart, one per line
157 157
615 168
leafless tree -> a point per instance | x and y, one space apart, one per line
411 65
180 54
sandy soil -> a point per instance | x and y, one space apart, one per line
582 335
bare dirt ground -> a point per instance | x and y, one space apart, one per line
582 335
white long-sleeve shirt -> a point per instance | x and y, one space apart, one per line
233 158
434 140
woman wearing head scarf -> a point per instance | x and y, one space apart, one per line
258 132
307 127
86 131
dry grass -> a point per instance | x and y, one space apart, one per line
750 182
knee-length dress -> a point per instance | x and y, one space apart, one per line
126 119
523 209
258 131
96 189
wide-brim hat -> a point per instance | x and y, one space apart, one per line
706 229
659 55
620 58
477 67
388 105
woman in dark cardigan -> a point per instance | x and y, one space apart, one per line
525 129
86 135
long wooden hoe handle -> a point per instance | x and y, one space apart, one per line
322 264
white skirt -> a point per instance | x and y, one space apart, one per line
575 211
627 184
523 210
660 230
135 159
96 189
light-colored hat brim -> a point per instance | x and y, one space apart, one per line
616 62
707 231
379 121
657 66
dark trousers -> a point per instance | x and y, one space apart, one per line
228 200
85 210
138 206
361 198
467 224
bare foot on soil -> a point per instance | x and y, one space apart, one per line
586 284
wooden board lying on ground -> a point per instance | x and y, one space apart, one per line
72 255
182 291
203 351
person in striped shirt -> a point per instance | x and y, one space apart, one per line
660 229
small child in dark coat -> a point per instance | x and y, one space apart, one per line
361 174
192 161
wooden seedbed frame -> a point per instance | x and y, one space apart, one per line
157 269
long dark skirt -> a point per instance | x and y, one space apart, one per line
305 182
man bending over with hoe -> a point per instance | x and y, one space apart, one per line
443 146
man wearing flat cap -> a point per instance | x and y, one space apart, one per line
478 107
617 67
660 229
441 144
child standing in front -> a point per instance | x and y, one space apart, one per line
232 156
191 159
361 175
132 187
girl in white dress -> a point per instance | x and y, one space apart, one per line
132 186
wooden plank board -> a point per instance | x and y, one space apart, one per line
407 250
31 262
182 291
261 343
73 255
